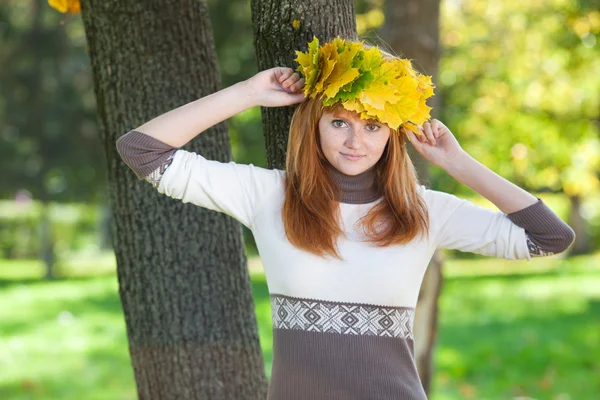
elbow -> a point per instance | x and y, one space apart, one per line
121 145
134 155
568 238
143 153
563 240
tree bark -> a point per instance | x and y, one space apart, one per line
412 30
182 270
275 42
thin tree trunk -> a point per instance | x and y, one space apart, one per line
412 30
580 226
275 42
47 241
182 271
37 125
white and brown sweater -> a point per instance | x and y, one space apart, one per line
342 330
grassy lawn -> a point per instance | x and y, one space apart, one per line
508 330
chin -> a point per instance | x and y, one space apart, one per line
352 169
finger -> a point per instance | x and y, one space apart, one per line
291 80
414 140
440 128
298 85
435 128
422 137
429 133
284 73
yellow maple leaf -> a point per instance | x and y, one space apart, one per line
327 63
309 62
422 113
407 102
64 6
354 105
425 85
412 127
392 118
343 72
372 58
375 113
407 67
381 89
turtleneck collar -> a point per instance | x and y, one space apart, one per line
357 189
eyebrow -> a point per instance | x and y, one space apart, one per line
369 121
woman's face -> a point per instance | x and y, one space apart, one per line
352 145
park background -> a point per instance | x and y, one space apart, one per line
519 88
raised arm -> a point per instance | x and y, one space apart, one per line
152 150
149 149
270 88
524 227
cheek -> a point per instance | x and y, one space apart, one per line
377 145
330 141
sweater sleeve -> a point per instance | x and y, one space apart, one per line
238 190
533 231
547 234
461 225
147 157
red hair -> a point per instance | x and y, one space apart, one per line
310 211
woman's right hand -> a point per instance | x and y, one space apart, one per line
276 87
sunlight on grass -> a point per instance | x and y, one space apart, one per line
506 330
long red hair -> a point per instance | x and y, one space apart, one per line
310 211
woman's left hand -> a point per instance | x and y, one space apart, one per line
435 143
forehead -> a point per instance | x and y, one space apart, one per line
342 112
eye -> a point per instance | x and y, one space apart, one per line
375 127
337 120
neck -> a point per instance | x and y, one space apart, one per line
356 189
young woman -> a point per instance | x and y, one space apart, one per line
346 232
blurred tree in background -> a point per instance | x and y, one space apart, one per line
517 86
521 89
49 145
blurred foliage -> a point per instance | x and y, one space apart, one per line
75 226
518 84
521 91
369 17
49 142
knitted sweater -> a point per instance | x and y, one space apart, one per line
342 329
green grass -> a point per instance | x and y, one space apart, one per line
507 329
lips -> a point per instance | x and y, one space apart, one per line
352 157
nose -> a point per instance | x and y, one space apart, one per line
353 139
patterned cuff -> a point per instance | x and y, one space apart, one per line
143 153
154 177
535 250
546 233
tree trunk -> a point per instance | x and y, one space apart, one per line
182 270
412 31
275 42
37 124
47 241
580 226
